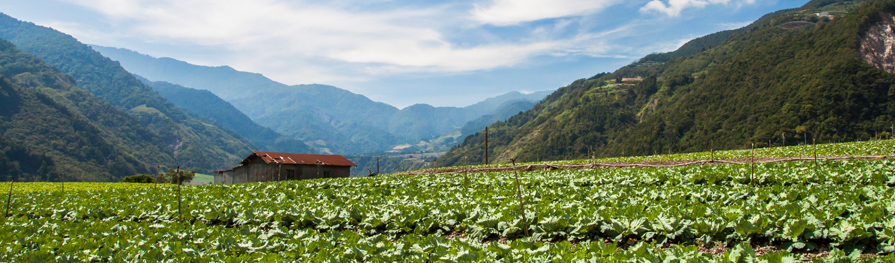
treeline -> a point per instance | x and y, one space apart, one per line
387 164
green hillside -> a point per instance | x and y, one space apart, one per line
197 145
206 106
46 114
326 117
40 139
804 81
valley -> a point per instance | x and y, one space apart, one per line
766 141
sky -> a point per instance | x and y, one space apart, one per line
442 53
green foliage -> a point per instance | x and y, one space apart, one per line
140 178
194 143
754 87
177 176
87 138
19 163
665 213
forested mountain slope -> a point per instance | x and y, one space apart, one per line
794 74
209 108
48 127
194 144
322 116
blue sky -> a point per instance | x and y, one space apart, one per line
400 52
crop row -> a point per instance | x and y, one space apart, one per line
46 240
44 187
797 206
857 148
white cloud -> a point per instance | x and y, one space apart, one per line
674 7
511 12
271 31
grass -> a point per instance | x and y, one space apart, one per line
203 178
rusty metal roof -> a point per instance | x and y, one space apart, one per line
296 158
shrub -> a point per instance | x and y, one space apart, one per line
140 178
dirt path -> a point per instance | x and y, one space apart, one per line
643 164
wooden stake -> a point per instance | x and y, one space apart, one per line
466 171
62 180
752 166
519 193
713 150
179 181
9 196
814 141
157 170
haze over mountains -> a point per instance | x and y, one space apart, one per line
331 119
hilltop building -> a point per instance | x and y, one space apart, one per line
274 166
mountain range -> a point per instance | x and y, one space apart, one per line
149 130
72 114
209 108
794 74
325 117
820 72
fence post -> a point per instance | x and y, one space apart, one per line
179 181
814 141
9 196
519 194
62 180
752 166
465 171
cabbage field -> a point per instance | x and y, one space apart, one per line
830 211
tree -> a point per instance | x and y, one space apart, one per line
178 178
140 178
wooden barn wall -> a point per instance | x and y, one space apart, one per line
256 170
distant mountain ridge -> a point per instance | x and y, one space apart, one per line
221 112
322 116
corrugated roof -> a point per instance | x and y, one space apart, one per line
309 159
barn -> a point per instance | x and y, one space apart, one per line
275 166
